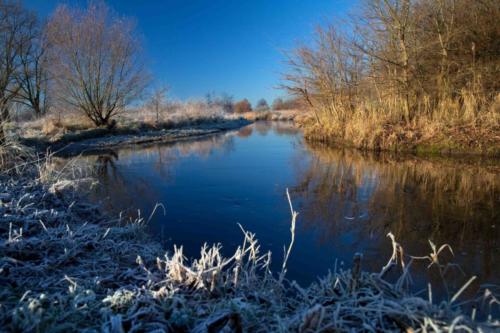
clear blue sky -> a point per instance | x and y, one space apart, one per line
233 46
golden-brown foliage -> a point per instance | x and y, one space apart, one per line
411 73
242 106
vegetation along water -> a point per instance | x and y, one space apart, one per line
149 184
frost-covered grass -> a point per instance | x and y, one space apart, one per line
59 126
296 115
64 266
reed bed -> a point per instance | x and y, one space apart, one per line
64 266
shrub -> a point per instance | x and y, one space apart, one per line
243 106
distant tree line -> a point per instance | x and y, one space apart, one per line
243 106
226 102
287 104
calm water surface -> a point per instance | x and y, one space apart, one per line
348 201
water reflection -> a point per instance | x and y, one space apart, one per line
118 192
368 195
347 200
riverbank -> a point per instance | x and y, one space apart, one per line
88 141
424 138
65 266
294 115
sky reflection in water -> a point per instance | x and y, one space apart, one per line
348 201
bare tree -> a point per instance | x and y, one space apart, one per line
224 101
400 62
326 76
33 76
96 63
157 102
277 103
262 105
387 32
14 34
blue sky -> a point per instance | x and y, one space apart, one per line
199 46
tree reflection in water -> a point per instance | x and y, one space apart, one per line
368 195
348 201
118 191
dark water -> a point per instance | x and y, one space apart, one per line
348 201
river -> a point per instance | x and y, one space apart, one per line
348 201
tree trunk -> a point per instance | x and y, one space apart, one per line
406 77
4 116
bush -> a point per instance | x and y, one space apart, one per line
243 106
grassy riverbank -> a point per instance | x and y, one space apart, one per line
74 137
295 115
422 137
65 266
416 76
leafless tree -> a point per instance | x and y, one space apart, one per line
157 102
387 35
326 75
96 61
397 60
277 103
262 105
33 76
15 22
224 101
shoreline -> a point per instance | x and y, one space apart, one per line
96 140
420 150
99 139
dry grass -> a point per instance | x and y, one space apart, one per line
55 126
469 126
66 267
175 112
277 115
386 78
14 158
75 134
139 125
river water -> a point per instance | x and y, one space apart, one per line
347 201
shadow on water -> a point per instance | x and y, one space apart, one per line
348 200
